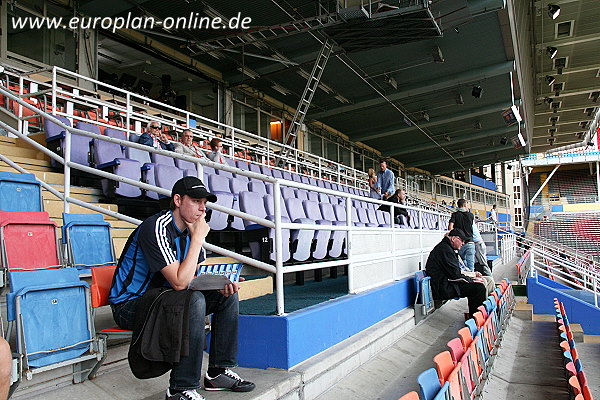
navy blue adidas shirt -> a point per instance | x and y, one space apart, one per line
156 243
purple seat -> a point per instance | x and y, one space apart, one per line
266 170
237 185
224 173
372 217
327 185
355 218
312 181
301 239
296 178
277 173
188 167
320 183
53 131
324 198
305 179
166 175
149 177
337 238
302 194
115 133
241 164
286 175
363 217
314 196
257 186
142 156
109 157
255 168
288 192
335 186
321 238
219 185
162 159
254 204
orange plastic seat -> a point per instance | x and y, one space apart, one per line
444 365
465 337
410 396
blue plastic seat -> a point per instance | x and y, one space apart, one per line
88 241
20 192
53 317
429 384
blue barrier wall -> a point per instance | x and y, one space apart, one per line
541 291
284 341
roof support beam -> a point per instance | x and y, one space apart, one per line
467 154
570 41
419 88
566 71
444 119
575 92
454 140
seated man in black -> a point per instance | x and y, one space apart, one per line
447 281
156 138
399 197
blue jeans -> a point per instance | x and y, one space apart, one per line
467 253
186 374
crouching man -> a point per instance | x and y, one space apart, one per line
158 262
447 281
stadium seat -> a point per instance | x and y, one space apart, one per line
57 299
429 384
262 245
166 175
109 157
301 239
88 241
99 289
444 365
29 241
444 392
321 237
54 134
410 396
219 186
188 167
19 192
237 185
337 238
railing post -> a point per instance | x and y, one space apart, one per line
67 169
128 114
596 292
349 224
278 248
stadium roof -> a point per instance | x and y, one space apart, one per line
423 82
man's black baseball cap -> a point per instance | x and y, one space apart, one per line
193 187
460 233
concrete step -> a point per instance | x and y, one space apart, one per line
87 197
30 163
55 209
523 311
10 151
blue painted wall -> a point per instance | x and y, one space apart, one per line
284 341
557 207
541 291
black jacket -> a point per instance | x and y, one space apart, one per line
464 220
161 333
443 268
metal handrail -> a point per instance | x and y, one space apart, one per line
277 225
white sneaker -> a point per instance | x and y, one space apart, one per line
186 395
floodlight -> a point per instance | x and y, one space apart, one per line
551 51
553 11
550 80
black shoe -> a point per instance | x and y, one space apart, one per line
228 380
185 395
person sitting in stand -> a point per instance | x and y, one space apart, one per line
156 138
150 295
187 146
399 197
447 280
216 155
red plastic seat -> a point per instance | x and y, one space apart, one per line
444 365
29 240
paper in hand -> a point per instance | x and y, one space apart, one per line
208 282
